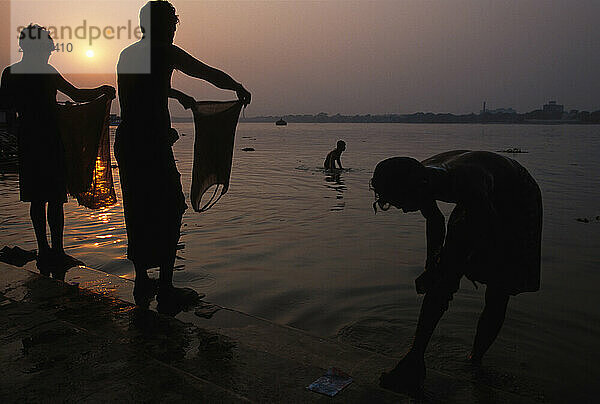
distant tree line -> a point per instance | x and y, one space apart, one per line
537 116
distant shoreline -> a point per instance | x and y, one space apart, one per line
532 122
537 117
439 123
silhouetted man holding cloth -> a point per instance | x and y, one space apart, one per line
152 196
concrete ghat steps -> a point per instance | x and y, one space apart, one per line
84 340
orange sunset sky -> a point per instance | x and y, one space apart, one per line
357 57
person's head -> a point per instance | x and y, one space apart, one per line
400 182
36 43
341 145
162 19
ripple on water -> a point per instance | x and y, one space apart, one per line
301 246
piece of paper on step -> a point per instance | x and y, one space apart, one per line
331 383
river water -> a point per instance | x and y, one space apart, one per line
298 246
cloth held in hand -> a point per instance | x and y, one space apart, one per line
215 124
84 131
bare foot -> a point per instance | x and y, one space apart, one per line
172 300
407 376
64 261
61 263
144 291
44 262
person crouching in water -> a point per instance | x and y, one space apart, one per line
493 237
334 156
29 87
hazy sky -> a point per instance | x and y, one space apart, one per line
402 56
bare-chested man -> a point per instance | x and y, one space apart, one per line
493 237
153 200
334 156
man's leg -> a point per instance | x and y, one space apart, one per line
37 211
141 272
409 373
56 221
145 288
166 272
490 322
435 303
172 300
61 261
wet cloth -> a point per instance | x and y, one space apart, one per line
215 124
153 201
42 172
84 130
509 260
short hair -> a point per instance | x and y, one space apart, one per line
396 175
158 13
341 143
35 38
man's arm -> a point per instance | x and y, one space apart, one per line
83 94
436 232
191 66
185 100
6 100
435 229
6 97
339 162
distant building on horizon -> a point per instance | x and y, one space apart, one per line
552 110
497 110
